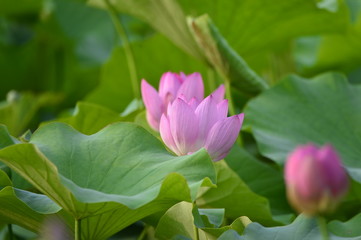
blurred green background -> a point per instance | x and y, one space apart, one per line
57 52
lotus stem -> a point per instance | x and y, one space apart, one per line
10 230
127 48
77 229
323 228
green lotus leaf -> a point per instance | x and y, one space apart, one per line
25 208
4 179
262 179
185 221
223 58
236 198
19 109
114 177
297 111
5 138
350 228
86 117
303 228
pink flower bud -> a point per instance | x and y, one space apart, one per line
315 179
172 86
188 127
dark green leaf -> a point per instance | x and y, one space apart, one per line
223 58
21 6
235 197
115 79
260 178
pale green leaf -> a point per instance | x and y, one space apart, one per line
126 174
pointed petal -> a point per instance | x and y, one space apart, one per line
207 115
166 134
218 94
222 108
184 126
222 136
192 87
169 86
153 104
182 76
152 101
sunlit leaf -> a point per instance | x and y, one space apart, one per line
126 174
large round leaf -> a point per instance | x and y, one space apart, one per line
297 111
118 175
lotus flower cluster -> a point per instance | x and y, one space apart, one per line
315 179
186 121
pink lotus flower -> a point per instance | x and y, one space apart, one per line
188 126
315 179
172 86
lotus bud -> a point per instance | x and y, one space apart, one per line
315 179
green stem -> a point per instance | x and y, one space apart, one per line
323 228
10 230
77 229
127 48
196 233
143 233
10 226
